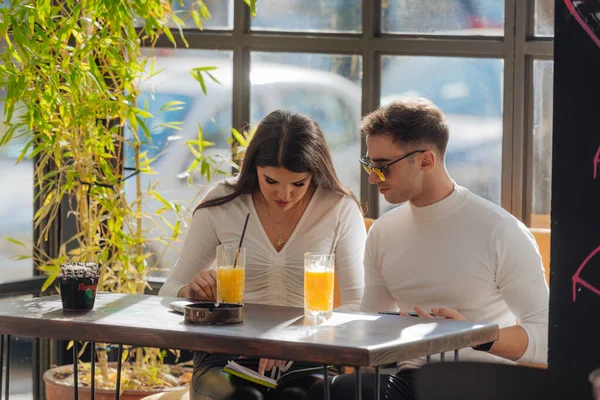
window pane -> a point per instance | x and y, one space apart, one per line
315 15
444 17
221 12
16 209
469 92
212 111
324 87
544 17
542 142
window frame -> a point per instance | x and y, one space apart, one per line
517 48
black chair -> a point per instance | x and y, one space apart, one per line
484 381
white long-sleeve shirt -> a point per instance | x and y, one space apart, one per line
271 277
464 253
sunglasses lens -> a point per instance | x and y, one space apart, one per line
378 172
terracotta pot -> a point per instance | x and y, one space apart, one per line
61 391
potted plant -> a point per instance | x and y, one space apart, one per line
71 70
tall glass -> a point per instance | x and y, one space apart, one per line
231 276
318 285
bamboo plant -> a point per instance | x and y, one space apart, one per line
71 70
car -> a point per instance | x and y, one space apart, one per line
327 97
469 92
441 17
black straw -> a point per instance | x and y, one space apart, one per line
241 241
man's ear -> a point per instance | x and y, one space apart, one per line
428 160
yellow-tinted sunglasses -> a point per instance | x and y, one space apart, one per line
380 171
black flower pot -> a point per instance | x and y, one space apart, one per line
78 293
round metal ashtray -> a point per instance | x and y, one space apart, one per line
211 313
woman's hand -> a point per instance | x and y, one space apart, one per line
202 287
267 364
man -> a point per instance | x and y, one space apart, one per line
445 250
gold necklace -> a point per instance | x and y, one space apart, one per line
279 243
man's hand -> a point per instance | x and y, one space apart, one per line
266 364
202 287
440 312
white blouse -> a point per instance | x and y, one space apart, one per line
276 278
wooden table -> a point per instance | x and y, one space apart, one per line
355 339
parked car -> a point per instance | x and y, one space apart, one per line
469 92
327 97
440 17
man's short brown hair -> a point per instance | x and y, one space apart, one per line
410 122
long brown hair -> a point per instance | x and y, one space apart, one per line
289 140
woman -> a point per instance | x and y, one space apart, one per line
289 187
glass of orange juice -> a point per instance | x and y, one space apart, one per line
318 285
231 276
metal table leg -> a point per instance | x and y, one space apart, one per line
442 357
1 361
358 384
326 385
93 378
75 370
377 383
428 359
456 355
7 388
120 353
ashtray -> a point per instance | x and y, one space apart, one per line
213 313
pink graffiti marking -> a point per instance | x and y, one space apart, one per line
596 161
584 25
578 280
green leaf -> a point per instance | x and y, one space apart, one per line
174 105
204 69
200 138
163 200
19 258
15 241
142 113
169 35
180 26
24 151
197 19
198 76
194 164
176 125
144 127
176 229
213 78
177 20
239 137
51 278
152 66
167 223
252 5
204 168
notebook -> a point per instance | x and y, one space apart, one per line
179 305
283 373
236 369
